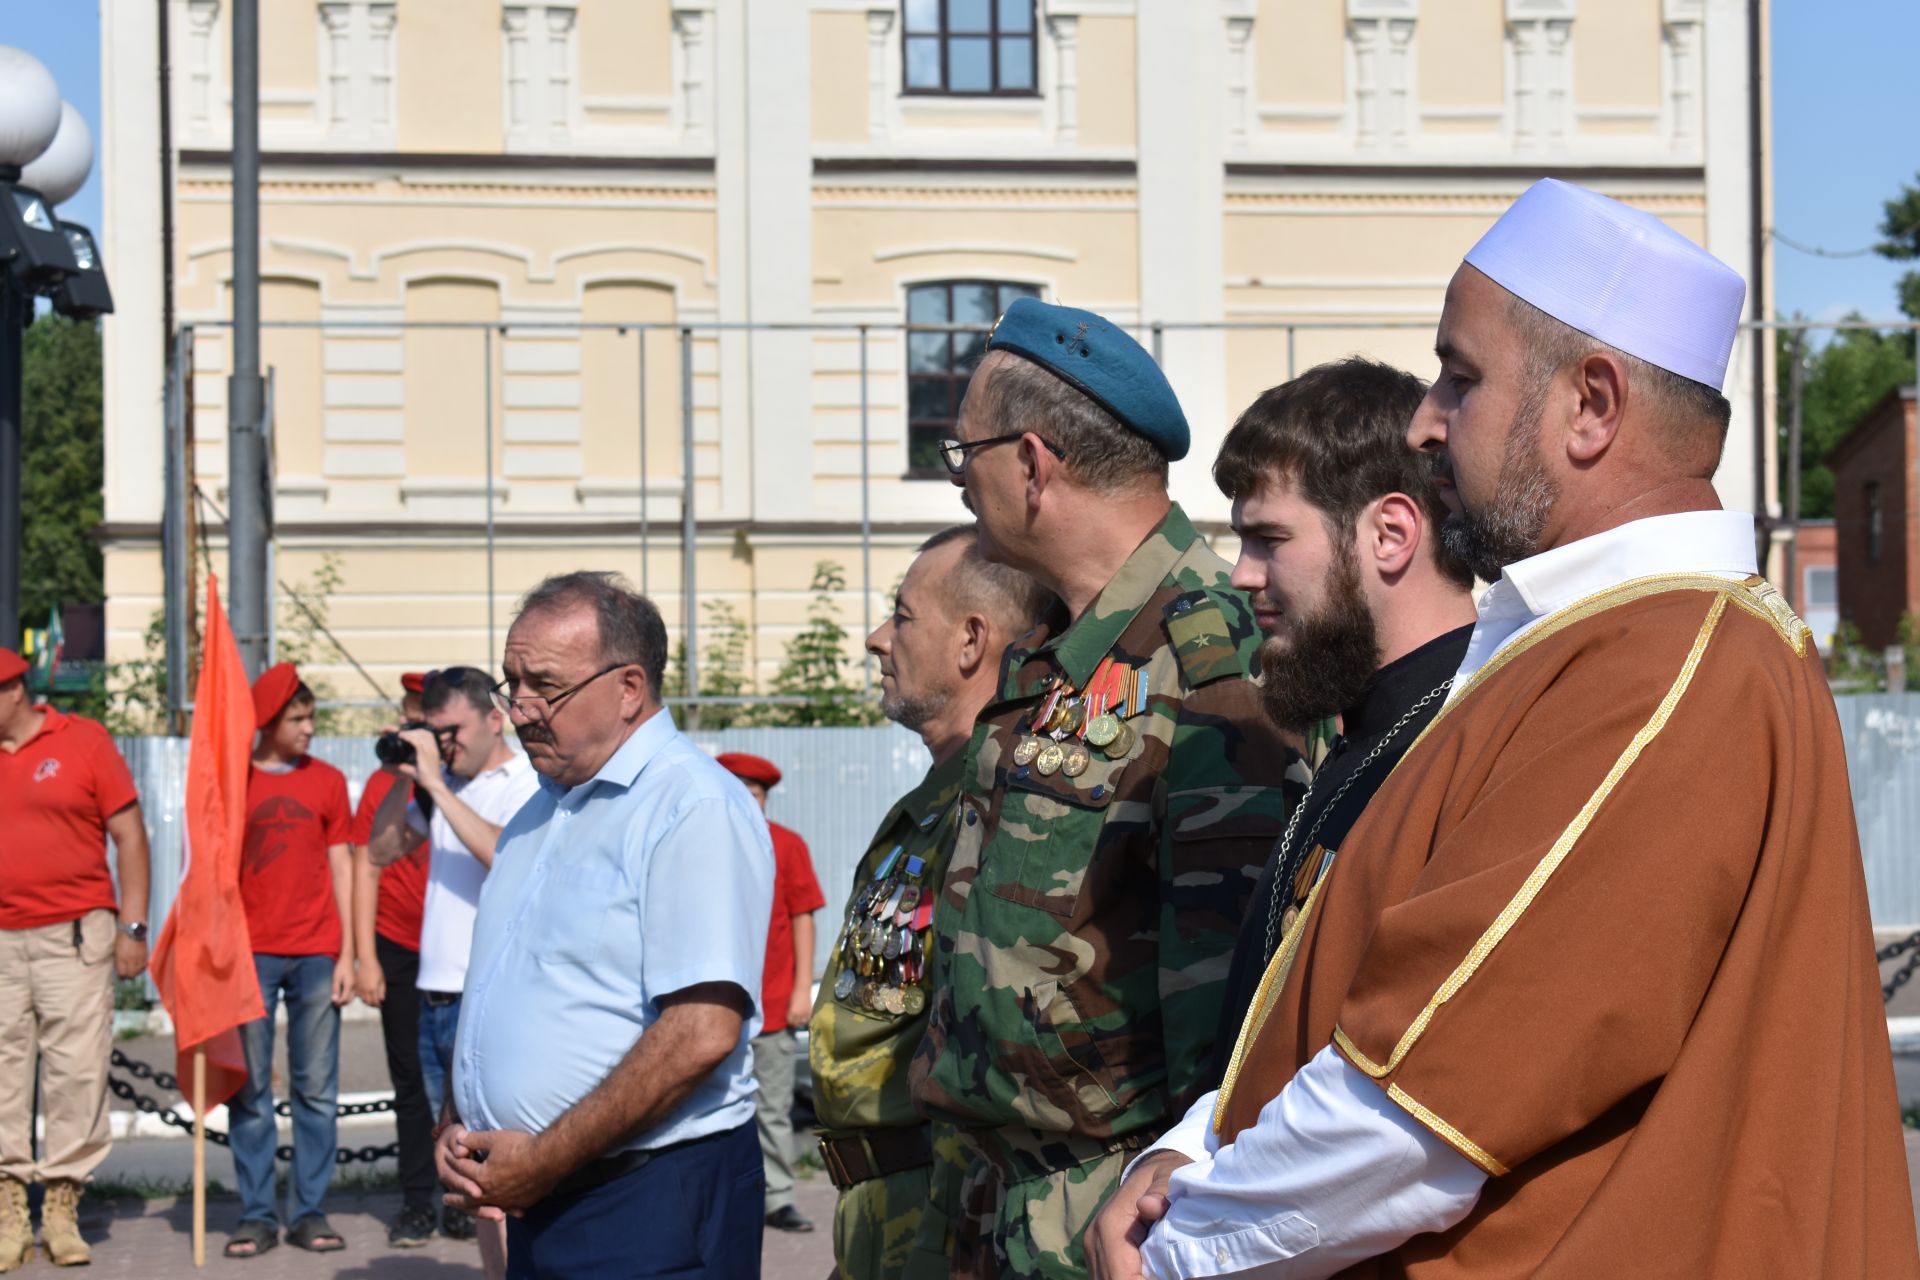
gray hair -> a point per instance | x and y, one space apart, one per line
629 625
977 585
1693 413
1102 453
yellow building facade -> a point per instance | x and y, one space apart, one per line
516 255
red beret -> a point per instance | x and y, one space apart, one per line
12 665
750 768
272 691
413 681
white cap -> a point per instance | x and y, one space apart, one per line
1618 274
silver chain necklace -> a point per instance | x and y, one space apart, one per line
1286 871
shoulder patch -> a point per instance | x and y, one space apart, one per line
1758 597
1203 642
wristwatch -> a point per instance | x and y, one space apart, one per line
137 930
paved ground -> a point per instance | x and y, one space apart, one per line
150 1239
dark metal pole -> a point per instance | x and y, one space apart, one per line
1795 596
644 588
16 307
176 521
486 363
246 450
866 528
690 615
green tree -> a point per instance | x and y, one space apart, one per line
816 664
61 477
1840 382
1901 227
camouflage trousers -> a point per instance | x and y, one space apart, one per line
1024 1221
900 1227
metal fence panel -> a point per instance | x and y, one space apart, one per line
839 783
1883 759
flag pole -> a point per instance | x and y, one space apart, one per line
200 1155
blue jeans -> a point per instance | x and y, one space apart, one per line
438 1024
694 1212
313 1070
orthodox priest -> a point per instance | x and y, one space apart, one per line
1589 988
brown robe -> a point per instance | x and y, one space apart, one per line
1605 931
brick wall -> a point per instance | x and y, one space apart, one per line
1878 459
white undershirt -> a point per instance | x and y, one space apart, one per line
454 875
1333 1171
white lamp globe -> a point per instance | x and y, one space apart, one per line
62 168
29 106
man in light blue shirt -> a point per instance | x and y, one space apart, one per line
601 1075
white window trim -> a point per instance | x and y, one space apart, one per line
1548 22
365 27
1394 24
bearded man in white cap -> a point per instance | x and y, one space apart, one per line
1589 988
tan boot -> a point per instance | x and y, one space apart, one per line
16 1231
60 1224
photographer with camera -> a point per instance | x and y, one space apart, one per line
460 807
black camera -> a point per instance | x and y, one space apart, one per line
391 748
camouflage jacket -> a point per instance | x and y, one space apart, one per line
860 1053
1083 935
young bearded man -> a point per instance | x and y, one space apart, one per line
465 781
63 790
1591 990
899 1176
1366 616
296 878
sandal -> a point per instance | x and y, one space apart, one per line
314 1235
251 1239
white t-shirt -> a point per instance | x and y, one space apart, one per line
454 875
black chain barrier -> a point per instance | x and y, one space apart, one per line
149 1106
1909 947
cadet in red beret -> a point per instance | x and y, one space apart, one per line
786 991
63 790
415 683
296 883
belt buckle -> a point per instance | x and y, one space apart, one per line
836 1168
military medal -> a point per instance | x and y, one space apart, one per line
1103 729
1049 760
915 1000
1122 743
843 985
1075 760
1024 753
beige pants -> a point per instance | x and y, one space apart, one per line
56 1001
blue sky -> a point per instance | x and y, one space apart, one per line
1846 132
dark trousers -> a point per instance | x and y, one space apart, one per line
400 1027
695 1211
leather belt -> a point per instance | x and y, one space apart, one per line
439 999
861 1157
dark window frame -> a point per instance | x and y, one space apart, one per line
992 36
1874 522
952 377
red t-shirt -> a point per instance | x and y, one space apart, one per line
286 882
56 794
795 893
403 884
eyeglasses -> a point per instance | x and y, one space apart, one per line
536 706
954 453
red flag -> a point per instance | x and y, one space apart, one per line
203 962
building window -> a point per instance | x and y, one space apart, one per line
1380 39
540 57
357 60
940 360
1873 522
1822 588
977 47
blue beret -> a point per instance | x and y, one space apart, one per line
1104 362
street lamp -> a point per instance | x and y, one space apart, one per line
46 152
